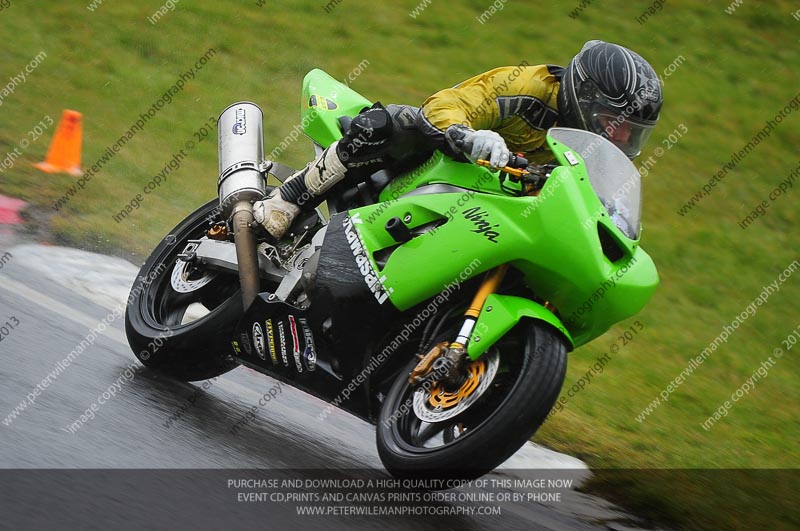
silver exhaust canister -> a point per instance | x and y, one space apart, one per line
241 181
241 154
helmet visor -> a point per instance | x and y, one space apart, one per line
626 132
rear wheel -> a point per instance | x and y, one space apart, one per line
180 318
468 431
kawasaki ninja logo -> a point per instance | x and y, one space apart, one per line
482 225
374 283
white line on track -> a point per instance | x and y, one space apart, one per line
62 310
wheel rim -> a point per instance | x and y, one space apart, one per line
414 435
182 295
440 404
173 308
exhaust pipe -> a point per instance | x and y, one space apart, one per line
241 181
241 152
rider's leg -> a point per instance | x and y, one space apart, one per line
362 149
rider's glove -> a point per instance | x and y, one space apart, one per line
482 144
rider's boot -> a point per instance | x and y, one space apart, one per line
361 149
277 211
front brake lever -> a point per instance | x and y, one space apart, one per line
515 174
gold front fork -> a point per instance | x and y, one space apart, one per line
489 286
455 352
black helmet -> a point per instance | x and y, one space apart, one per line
612 91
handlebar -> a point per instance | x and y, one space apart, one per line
518 169
514 161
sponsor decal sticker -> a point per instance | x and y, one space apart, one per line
309 354
282 344
371 278
240 123
273 353
258 341
246 343
295 344
322 103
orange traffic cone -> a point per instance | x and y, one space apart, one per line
64 154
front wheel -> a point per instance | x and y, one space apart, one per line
180 317
423 433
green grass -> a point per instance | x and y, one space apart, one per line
738 71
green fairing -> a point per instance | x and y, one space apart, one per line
542 236
500 314
545 237
320 93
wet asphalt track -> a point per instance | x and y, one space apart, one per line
54 297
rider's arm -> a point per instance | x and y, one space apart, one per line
518 99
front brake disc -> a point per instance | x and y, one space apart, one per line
186 278
437 404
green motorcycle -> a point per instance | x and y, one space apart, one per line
439 304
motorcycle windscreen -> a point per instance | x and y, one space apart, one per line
612 175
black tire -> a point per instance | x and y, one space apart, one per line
193 351
495 426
